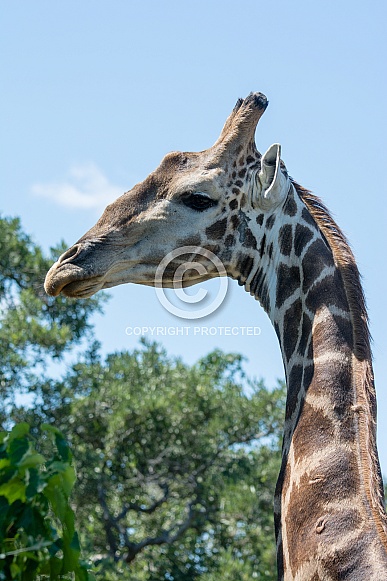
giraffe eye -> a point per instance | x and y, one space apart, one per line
198 202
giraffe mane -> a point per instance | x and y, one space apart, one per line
363 375
346 263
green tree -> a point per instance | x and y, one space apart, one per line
176 464
37 533
33 326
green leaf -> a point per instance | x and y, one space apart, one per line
34 483
19 430
61 444
34 523
57 499
7 473
31 460
56 565
75 545
17 449
15 570
56 546
4 461
63 448
14 489
62 475
4 506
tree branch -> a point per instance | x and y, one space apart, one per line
115 525
166 537
109 523
143 509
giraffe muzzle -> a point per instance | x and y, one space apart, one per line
74 274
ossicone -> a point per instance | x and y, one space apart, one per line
240 126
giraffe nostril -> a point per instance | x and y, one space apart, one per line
70 254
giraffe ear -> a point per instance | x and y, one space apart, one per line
271 181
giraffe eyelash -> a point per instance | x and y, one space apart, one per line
198 201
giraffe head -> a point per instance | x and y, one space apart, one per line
216 200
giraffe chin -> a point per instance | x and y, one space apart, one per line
87 287
71 283
83 289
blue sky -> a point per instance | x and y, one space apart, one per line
94 93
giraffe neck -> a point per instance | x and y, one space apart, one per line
329 512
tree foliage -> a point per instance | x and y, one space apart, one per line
37 532
176 464
32 324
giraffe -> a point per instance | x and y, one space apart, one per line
281 244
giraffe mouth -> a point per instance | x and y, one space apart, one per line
75 282
81 289
70 280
